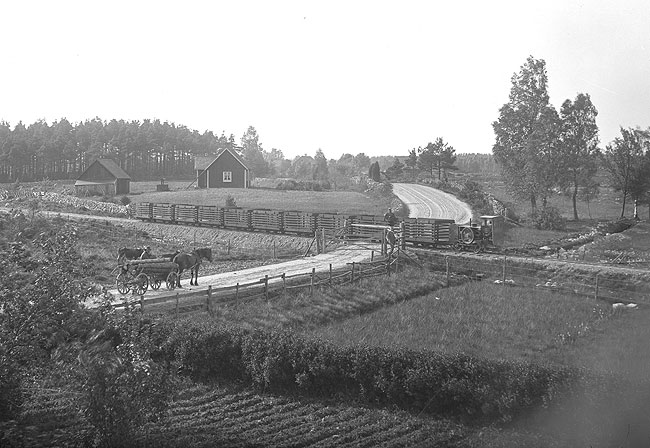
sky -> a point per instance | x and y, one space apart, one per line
378 77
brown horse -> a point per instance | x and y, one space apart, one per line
191 261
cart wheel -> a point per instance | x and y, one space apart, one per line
155 283
171 280
140 284
122 283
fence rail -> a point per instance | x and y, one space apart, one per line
266 287
623 287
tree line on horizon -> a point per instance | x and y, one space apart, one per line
151 149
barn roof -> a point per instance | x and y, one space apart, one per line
110 166
203 163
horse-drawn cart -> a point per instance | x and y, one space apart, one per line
140 275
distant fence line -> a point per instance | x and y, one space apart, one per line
569 278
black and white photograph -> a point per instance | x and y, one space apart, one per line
284 224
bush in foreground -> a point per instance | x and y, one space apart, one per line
425 382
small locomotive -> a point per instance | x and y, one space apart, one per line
479 236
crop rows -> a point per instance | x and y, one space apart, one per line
208 417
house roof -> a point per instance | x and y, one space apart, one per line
204 162
111 167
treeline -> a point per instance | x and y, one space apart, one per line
62 150
477 163
543 152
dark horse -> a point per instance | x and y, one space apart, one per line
140 253
191 261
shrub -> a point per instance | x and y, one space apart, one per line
125 200
431 382
10 391
122 386
230 201
549 218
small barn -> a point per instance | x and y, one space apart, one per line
103 177
225 170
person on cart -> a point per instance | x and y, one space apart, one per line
390 218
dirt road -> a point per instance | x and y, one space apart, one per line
337 259
428 202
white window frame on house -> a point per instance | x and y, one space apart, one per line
227 176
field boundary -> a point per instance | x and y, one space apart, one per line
265 288
607 283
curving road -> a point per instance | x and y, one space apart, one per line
428 202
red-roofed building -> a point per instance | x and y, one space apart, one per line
225 170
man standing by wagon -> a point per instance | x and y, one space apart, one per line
390 218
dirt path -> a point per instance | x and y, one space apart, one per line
428 202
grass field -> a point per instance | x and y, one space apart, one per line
478 319
347 202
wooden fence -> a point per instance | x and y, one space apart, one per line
597 282
265 288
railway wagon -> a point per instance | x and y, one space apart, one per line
266 220
162 212
209 215
485 233
301 223
237 218
429 232
143 210
331 221
186 214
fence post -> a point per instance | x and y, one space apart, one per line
266 287
284 284
447 269
384 249
207 302
322 231
311 281
330 274
237 291
372 255
402 228
142 303
352 273
597 285
503 276
176 304
229 247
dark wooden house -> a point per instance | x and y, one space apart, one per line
225 170
103 177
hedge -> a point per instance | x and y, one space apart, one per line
419 381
